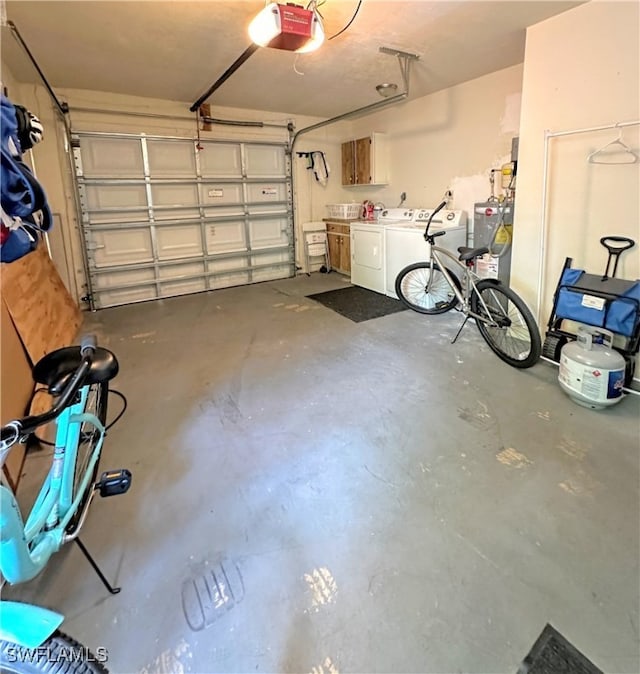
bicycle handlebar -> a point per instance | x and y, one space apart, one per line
88 344
19 428
10 433
437 210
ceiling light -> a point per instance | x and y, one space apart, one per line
386 89
287 27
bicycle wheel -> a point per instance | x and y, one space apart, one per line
510 329
59 653
96 404
424 288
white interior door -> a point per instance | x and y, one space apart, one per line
161 219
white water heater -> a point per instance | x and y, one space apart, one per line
591 371
493 227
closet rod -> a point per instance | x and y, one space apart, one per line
620 125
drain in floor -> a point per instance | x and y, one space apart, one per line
209 595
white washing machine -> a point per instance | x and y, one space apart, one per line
405 244
368 248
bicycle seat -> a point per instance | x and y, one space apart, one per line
56 368
471 253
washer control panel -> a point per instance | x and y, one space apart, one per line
445 218
397 215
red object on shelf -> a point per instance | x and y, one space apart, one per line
367 209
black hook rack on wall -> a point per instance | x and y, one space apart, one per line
324 169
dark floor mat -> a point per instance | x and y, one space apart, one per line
553 654
358 304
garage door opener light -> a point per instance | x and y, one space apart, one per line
288 27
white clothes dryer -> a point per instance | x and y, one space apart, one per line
368 248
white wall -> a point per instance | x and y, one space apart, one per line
581 70
8 80
450 139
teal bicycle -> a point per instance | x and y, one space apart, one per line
78 378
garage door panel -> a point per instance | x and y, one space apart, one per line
175 195
264 160
124 278
276 210
178 241
115 196
229 264
120 157
161 216
181 279
229 280
220 160
183 287
167 200
225 237
178 271
221 194
141 287
259 193
268 233
226 213
120 219
269 257
114 298
270 273
117 247
171 159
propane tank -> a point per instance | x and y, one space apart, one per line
591 371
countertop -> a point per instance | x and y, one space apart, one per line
340 221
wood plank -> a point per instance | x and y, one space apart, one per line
43 311
205 111
348 165
363 161
17 387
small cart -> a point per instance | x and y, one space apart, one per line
600 301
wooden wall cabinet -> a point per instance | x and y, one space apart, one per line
339 239
365 161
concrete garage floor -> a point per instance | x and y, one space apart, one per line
380 500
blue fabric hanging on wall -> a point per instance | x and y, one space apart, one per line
25 210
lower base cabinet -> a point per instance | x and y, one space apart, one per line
338 236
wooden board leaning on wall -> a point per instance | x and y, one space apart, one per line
45 315
40 317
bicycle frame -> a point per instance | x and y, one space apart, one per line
26 548
469 286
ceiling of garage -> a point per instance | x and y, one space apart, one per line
176 50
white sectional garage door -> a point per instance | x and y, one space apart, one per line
161 218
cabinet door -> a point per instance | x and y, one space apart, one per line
334 249
339 247
348 163
363 161
345 253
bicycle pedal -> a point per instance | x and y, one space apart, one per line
114 482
